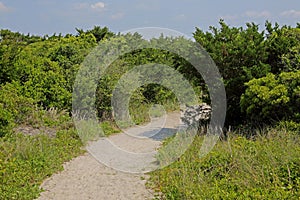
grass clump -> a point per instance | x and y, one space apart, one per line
25 161
265 167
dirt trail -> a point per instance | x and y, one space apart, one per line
86 178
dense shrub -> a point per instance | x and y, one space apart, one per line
7 121
240 54
246 53
282 46
15 108
273 98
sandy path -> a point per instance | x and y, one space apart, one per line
86 178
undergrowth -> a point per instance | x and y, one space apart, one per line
265 167
25 161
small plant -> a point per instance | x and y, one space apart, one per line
109 128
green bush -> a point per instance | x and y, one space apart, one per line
7 121
14 108
289 125
282 45
240 54
273 98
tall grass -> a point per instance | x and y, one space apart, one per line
265 167
25 161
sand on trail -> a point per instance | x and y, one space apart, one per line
85 177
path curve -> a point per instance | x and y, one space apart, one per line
86 178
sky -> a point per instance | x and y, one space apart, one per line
40 17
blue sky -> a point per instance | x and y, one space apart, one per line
53 16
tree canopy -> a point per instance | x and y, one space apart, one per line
260 70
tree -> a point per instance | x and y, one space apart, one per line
11 44
240 54
282 45
98 32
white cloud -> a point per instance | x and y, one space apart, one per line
98 6
255 14
291 13
3 8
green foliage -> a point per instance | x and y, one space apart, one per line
291 60
15 108
273 98
106 86
47 88
264 168
69 53
48 69
52 118
98 32
240 54
25 161
147 93
283 48
289 125
6 121
45 68
109 128
37 75
9 50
